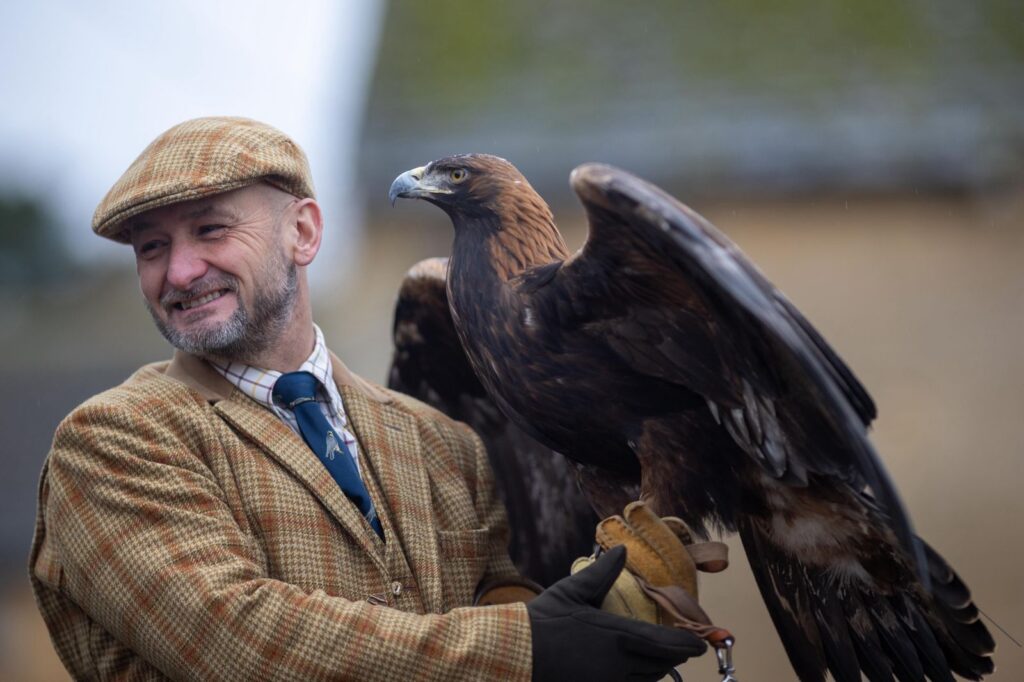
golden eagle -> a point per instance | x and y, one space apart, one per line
658 356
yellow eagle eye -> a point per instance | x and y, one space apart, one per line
457 174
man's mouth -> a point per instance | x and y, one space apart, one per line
202 300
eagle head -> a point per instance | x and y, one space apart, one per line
464 185
492 207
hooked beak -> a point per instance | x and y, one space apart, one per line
410 185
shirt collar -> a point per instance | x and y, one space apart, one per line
258 383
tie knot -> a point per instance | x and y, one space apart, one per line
295 387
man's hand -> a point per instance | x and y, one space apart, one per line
574 639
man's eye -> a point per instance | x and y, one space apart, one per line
210 229
148 247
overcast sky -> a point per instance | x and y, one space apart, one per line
86 86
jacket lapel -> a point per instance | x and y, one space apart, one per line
390 443
292 453
278 441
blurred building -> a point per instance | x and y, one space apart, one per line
709 98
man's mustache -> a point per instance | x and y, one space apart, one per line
201 288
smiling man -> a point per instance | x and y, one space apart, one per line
251 509
226 289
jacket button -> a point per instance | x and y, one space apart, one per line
396 588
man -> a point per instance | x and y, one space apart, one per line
253 510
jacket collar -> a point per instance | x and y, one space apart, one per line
389 440
197 374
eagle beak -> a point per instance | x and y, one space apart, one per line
411 184
408 185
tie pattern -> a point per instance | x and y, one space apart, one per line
297 392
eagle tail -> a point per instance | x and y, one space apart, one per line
847 627
964 638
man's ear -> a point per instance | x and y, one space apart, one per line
309 229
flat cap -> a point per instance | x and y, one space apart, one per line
198 158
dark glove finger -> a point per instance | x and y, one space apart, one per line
686 645
649 667
665 642
590 585
646 639
642 669
649 675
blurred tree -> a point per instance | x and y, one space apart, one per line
796 95
31 249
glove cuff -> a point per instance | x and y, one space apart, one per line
506 590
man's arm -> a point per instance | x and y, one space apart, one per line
490 510
145 543
502 583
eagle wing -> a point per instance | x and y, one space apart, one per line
677 300
550 521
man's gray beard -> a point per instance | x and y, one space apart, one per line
243 336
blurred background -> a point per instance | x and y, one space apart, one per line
867 155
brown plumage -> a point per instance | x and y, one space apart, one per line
551 523
659 355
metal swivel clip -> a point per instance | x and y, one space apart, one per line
724 654
723 651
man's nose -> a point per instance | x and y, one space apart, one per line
186 265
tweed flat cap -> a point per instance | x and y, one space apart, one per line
198 158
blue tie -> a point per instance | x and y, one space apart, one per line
297 390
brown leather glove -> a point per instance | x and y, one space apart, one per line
659 584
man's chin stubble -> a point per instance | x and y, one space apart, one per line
227 341
242 337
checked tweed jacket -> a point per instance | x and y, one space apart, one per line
183 531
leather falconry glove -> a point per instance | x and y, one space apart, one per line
659 584
573 639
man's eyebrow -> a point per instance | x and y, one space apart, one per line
208 209
197 212
136 226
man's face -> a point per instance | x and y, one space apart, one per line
214 272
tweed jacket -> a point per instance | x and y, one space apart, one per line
185 532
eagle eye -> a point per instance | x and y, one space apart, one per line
457 174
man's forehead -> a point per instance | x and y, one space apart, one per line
227 204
